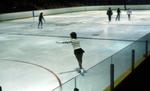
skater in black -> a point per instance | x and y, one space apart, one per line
118 14
78 51
109 13
41 19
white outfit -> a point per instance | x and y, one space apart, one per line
129 12
75 44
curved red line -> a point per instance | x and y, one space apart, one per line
40 67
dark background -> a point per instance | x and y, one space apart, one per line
26 5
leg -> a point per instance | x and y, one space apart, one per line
79 59
129 16
116 17
109 17
39 24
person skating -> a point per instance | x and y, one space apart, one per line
41 19
129 12
109 13
118 14
78 51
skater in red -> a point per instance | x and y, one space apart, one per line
78 51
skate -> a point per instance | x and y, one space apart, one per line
82 71
78 70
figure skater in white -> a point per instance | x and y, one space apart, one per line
78 51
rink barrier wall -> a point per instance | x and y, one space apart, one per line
29 14
119 59
138 61
125 74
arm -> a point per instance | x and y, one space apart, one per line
65 42
42 17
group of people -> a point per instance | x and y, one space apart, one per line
110 13
78 51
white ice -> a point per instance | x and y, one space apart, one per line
21 42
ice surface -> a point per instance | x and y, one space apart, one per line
21 40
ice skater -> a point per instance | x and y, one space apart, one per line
129 12
109 13
118 14
41 19
78 51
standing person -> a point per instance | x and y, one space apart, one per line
41 19
118 14
129 12
78 51
109 13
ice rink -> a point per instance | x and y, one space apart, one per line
31 60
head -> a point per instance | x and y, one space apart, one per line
41 13
76 89
73 35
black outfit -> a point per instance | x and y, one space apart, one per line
79 53
118 14
109 13
41 18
